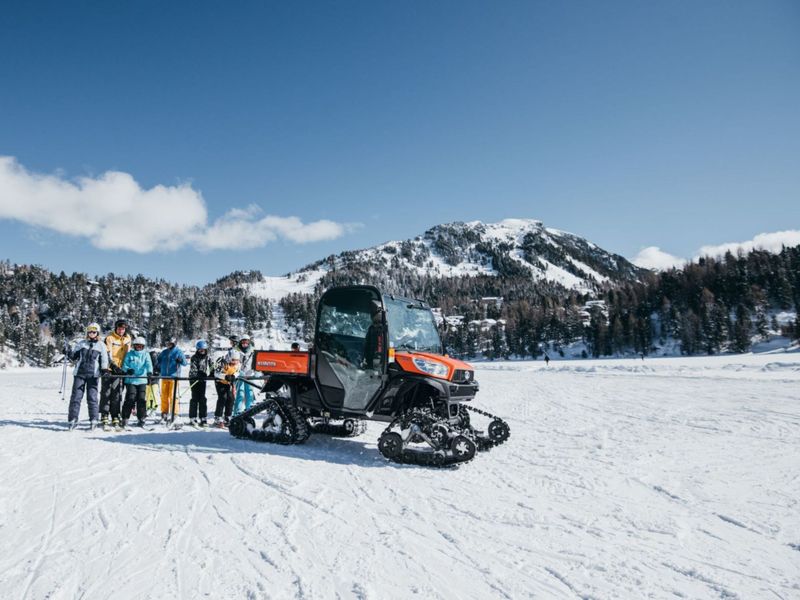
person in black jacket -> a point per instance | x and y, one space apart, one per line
200 368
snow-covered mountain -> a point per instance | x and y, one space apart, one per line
513 248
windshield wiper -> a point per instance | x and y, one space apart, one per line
406 347
418 349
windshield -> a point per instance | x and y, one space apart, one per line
411 326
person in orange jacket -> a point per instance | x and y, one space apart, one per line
225 377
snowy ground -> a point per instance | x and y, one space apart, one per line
660 478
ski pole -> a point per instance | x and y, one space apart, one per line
63 388
176 396
174 391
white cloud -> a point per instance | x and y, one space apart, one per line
655 258
772 242
114 212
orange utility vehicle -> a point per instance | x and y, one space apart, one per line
375 357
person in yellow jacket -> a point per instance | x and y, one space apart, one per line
118 342
225 375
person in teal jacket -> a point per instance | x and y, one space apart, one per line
139 367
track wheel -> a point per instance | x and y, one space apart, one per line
498 431
390 445
273 422
351 427
238 427
463 448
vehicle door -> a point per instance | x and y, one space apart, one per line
350 347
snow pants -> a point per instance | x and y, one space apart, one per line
79 385
135 396
224 399
111 396
243 391
168 387
198 399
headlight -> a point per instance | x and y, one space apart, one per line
431 367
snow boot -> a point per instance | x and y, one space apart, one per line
73 424
104 423
140 423
116 425
92 424
203 424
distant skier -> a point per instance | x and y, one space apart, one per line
118 342
244 391
225 377
139 366
92 360
546 360
200 368
169 365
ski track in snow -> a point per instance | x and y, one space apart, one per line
668 478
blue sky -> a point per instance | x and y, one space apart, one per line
634 124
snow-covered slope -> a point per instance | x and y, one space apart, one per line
622 479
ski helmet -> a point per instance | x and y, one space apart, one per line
120 323
93 327
201 345
235 355
139 341
244 338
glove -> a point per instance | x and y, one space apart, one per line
230 378
129 371
105 371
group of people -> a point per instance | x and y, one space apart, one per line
104 367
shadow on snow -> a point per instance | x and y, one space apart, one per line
60 425
318 447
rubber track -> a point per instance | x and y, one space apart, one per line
427 458
482 442
298 427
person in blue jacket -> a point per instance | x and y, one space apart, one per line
91 359
169 365
139 367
